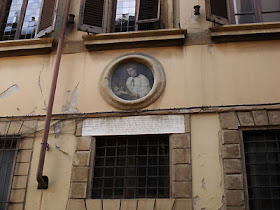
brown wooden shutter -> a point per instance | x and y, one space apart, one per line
93 16
217 11
148 11
47 18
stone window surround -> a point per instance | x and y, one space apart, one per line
232 152
26 129
180 177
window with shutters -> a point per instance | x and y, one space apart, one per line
121 15
26 19
242 11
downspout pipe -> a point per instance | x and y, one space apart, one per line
43 180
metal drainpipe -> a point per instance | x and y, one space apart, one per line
43 180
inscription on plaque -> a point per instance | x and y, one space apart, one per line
153 124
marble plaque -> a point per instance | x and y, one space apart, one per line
134 125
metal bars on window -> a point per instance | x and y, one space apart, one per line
262 159
8 151
131 167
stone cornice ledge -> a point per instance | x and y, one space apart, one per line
245 32
124 40
26 47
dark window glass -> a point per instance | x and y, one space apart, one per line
135 167
262 158
7 155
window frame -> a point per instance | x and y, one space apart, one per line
38 33
10 176
168 17
210 16
92 167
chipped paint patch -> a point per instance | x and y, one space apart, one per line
9 91
203 185
70 106
57 127
211 49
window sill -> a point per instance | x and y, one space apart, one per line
26 47
245 32
156 38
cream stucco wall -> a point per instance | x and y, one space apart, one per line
197 75
206 166
58 166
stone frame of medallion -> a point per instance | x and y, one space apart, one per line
233 123
180 177
153 95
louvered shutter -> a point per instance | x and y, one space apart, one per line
47 18
3 5
217 11
148 11
93 15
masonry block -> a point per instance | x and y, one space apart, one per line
232 166
111 204
26 143
187 123
17 196
233 182
19 182
182 156
182 190
129 204
245 118
83 144
29 126
274 117
81 159
146 204
76 204
231 151
78 190
95 204
230 137
16 206
260 117
21 169
24 156
15 127
183 173
80 174
4 128
78 129
229 120
235 197
164 204
183 204
181 140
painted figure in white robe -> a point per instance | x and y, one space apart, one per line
137 84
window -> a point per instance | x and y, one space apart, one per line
20 19
121 15
242 11
8 150
131 167
262 160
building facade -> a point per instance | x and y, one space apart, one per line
163 104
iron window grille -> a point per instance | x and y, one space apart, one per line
131 167
8 153
262 160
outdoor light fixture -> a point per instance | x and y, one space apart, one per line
70 20
196 10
